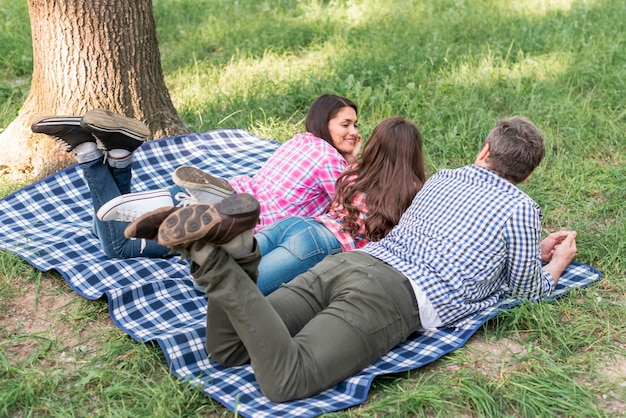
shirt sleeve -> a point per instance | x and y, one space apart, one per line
525 277
328 171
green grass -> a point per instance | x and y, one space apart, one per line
16 58
453 67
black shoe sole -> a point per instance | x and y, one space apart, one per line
46 124
66 129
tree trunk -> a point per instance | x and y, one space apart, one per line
88 54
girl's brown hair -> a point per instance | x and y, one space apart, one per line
390 172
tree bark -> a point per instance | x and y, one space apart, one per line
88 54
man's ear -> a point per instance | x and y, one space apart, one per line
482 155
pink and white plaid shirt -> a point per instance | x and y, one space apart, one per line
297 180
333 220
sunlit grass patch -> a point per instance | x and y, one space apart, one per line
494 69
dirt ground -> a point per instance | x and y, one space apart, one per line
41 312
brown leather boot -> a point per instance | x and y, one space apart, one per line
215 223
147 225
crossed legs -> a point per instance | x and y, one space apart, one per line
103 143
320 328
311 333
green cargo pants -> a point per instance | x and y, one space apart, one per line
313 332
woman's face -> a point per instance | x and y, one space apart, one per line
343 131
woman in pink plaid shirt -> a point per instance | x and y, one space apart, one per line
297 180
372 194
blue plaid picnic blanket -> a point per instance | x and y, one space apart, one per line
49 225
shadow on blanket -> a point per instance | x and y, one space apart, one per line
49 225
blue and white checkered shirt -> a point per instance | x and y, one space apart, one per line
468 238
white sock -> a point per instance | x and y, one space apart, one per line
118 154
86 152
85 148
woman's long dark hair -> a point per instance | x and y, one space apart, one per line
390 172
322 110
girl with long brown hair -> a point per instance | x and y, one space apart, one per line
370 197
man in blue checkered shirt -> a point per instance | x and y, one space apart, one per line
469 237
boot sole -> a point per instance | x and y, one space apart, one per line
102 120
192 178
215 223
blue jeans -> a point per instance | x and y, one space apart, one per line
291 246
105 183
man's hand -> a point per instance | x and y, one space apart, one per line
565 251
559 249
549 244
